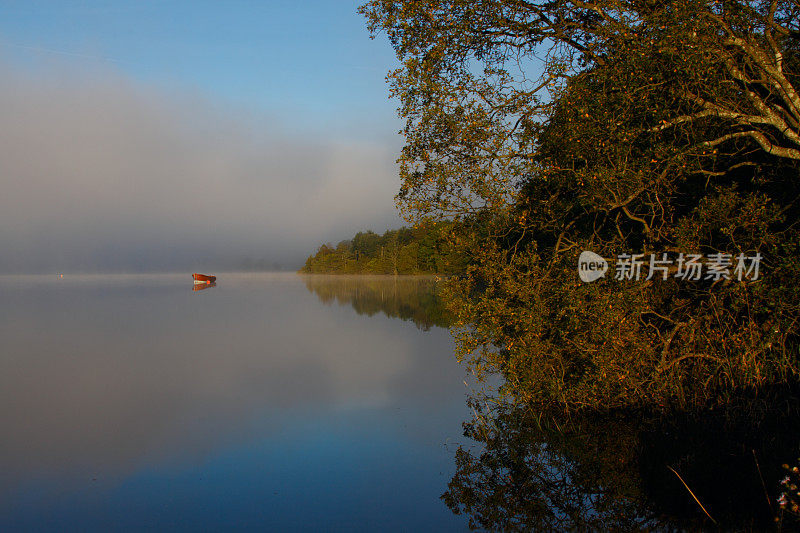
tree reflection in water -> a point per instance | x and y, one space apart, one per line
411 298
598 471
611 471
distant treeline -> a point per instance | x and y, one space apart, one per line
421 250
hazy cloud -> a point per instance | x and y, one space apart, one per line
98 172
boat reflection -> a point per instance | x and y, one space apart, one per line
203 286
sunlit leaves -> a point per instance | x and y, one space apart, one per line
551 127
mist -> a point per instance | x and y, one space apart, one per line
100 173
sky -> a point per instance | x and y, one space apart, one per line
172 136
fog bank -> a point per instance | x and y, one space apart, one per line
101 173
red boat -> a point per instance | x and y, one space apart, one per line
202 278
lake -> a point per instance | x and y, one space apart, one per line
284 402
267 402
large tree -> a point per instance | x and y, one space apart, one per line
655 127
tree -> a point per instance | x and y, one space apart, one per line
403 251
475 96
552 127
365 244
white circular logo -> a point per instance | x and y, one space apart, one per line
591 266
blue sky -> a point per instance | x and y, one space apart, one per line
311 61
126 126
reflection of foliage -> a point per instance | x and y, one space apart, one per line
424 249
789 500
609 470
520 481
407 298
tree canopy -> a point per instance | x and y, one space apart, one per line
424 249
621 127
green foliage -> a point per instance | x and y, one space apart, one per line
667 127
424 249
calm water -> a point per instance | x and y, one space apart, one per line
267 402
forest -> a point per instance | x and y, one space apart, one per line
425 249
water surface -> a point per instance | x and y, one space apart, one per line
270 401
